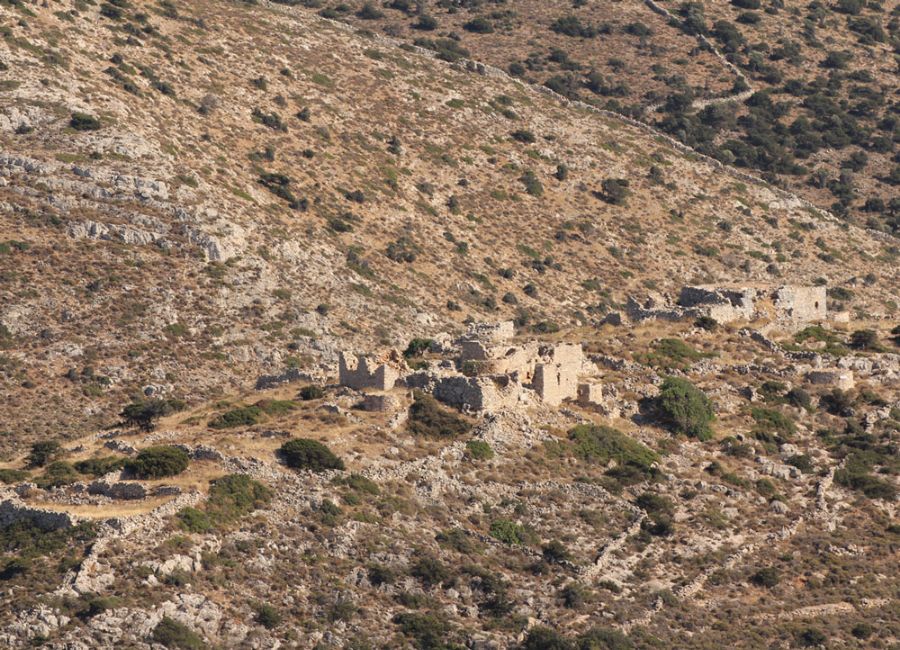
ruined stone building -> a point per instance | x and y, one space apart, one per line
490 372
788 305
362 372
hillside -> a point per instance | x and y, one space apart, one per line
205 233
203 204
814 84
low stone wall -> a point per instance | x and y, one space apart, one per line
13 510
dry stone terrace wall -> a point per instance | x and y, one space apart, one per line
13 510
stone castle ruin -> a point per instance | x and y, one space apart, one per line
789 305
488 371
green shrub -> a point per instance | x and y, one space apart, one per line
864 340
57 474
429 631
98 604
532 184
429 570
766 577
235 495
428 418
603 639
543 638
555 552
772 425
158 462
14 567
243 416
479 25
601 444
417 347
479 450
302 453
872 486
685 408
311 392
193 520
9 476
615 191
98 467
84 122
812 637
43 452
144 414
176 636
509 532
267 616
672 353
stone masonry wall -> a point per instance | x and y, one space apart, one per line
12 510
364 373
800 305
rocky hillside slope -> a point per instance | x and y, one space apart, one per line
196 194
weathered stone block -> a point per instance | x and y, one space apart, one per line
380 403
590 394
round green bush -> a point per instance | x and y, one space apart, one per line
685 408
159 462
302 453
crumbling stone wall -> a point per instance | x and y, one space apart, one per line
124 490
491 332
13 510
723 304
800 305
842 379
482 393
365 373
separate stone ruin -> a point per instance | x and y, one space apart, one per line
723 304
800 305
836 378
789 306
363 373
14 510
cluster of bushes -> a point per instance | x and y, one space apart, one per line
671 354
280 186
230 498
246 416
601 444
772 426
428 418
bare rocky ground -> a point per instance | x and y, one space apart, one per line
266 188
